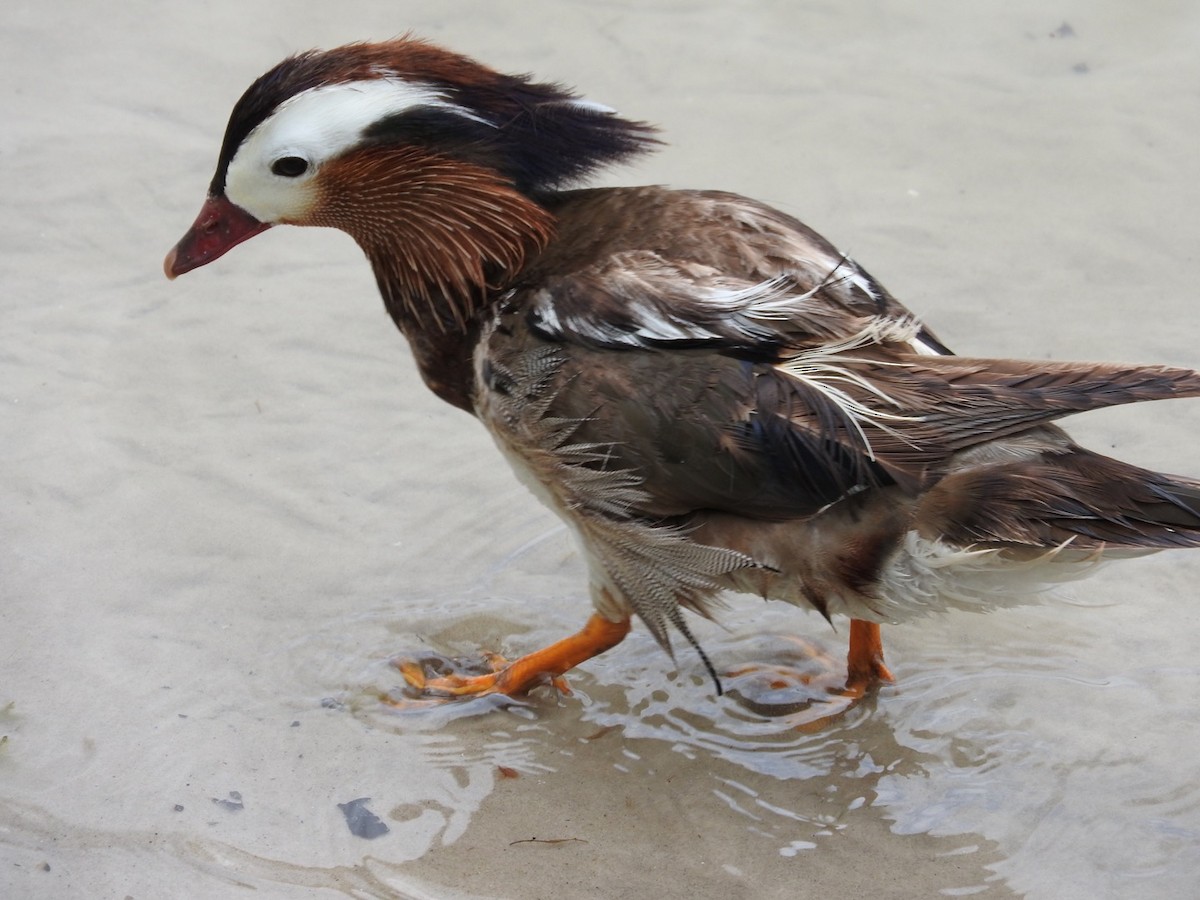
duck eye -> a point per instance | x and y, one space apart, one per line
290 166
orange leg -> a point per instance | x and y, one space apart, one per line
864 663
547 664
810 689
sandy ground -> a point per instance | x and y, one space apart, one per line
228 501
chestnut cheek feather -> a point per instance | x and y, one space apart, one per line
438 232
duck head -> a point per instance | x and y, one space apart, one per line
436 165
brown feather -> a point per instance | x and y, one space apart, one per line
1063 494
442 237
936 406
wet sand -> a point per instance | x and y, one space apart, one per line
228 501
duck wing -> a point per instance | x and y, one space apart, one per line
775 399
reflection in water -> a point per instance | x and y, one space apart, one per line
984 750
769 785
780 780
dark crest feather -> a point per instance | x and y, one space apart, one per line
538 135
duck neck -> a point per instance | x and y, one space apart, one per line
442 248
443 351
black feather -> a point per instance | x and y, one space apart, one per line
294 75
544 137
541 136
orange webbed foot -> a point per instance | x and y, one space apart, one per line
504 678
865 668
810 688
545 666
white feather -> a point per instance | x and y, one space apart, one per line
317 125
824 369
591 106
928 576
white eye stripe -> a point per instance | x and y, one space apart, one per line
334 117
318 125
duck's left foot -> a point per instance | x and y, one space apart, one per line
545 666
505 677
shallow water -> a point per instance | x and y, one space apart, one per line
228 502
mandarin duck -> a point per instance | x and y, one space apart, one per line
711 395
